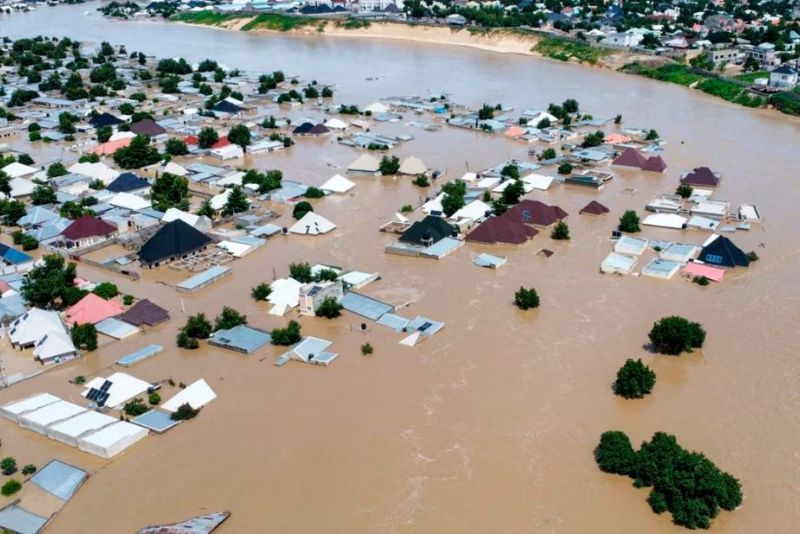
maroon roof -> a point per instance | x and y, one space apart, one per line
501 230
701 176
535 212
87 226
147 127
654 164
594 208
630 158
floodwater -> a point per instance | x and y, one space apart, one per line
490 425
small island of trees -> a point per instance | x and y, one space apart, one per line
634 380
674 335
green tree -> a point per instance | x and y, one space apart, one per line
565 168
421 181
207 210
301 272
198 326
526 299
329 308
629 222
261 292
389 165
513 192
366 349
560 231
207 138
184 412
104 134
11 487
29 469
47 285
674 335
175 147
43 195
684 191
236 203
240 135
8 465
511 171
615 453
548 154
301 208
634 380
229 318
314 192
84 336
139 153
287 336
56 169
593 139
570 105
170 191
135 408
154 399
106 290
326 275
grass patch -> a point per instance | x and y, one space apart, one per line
750 77
352 24
564 50
281 23
208 17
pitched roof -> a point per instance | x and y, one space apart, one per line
594 208
87 226
92 309
303 128
105 119
319 129
109 147
147 127
500 230
535 212
701 176
724 253
654 164
630 158
175 238
144 312
226 106
430 228
127 181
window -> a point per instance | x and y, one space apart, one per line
526 216
713 258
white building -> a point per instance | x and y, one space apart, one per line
783 77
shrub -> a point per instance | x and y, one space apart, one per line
229 318
421 181
300 209
565 168
329 308
106 290
752 256
701 280
629 222
366 349
261 291
84 336
634 380
127 300
406 208
184 412
29 469
80 379
314 192
674 335
154 398
684 190
8 465
198 326
615 453
11 487
526 299
389 165
301 272
186 342
560 231
287 336
326 275
135 407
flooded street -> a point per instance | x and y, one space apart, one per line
488 426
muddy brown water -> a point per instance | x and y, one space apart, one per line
489 426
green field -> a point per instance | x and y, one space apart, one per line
563 50
208 17
280 23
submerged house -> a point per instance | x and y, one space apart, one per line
174 240
502 230
535 213
87 230
702 177
428 231
723 253
312 295
144 312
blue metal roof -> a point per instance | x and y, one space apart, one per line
156 421
16 519
139 355
13 256
365 306
60 479
242 338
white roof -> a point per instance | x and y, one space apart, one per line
116 136
52 345
82 423
232 179
631 246
526 187
365 163
376 108
474 210
47 415
469 177
197 394
413 166
434 204
96 171
617 263
174 168
191 219
129 201
113 439
13 409
123 388
539 181
358 279
21 187
312 224
285 295
236 249
17 169
33 325
218 201
228 151
337 184
487 183
665 220
336 124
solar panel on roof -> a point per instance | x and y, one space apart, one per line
102 398
105 386
425 326
92 395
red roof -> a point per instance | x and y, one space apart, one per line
535 212
87 226
93 309
194 140
630 158
654 164
594 208
701 176
500 230
191 140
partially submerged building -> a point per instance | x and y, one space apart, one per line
173 241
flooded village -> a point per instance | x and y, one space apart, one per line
407 198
